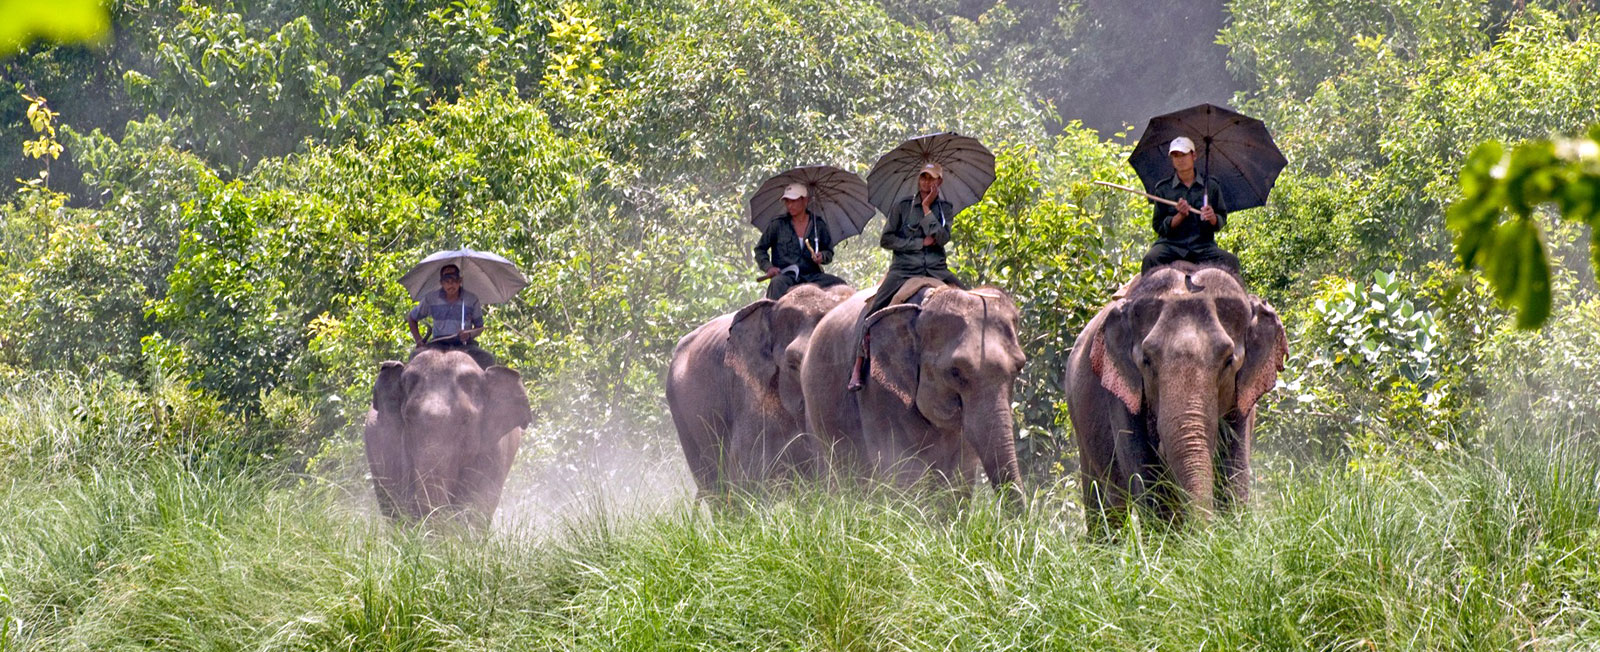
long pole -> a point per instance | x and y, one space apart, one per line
1139 192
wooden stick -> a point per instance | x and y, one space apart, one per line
1139 192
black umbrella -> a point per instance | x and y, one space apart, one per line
1233 149
968 170
838 196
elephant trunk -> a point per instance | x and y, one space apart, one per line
987 425
1187 421
789 388
442 438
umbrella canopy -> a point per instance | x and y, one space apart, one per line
968 170
837 196
492 278
1233 149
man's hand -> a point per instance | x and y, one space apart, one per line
772 271
927 241
927 203
1209 215
816 257
1183 212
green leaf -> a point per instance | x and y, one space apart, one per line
1533 291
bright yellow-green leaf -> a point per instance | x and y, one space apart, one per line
62 21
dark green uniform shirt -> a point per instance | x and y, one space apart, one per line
780 247
1194 233
904 231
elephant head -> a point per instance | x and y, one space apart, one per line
442 433
1187 349
767 342
949 362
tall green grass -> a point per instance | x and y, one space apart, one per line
1495 551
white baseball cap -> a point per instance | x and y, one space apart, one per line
795 191
1181 144
933 170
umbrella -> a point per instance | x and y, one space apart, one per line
1233 149
968 170
492 278
837 196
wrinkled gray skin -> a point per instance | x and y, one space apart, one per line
734 392
1149 381
441 435
937 404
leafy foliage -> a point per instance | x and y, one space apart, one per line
1044 236
1369 372
64 22
1377 141
1512 252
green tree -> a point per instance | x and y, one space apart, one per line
1376 145
1048 237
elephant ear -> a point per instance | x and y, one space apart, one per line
385 448
505 402
749 354
387 393
896 352
1265 348
1111 357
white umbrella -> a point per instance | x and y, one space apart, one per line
837 196
492 278
968 170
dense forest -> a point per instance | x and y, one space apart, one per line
207 212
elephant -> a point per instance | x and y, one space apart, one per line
733 389
937 402
442 433
1162 387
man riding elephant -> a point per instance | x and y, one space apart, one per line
1187 231
457 318
793 248
917 230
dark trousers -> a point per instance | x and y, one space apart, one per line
782 283
895 279
1162 253
885 296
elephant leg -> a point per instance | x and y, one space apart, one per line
483 479
800 458
1135 456
747 459
1235 463
707 456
